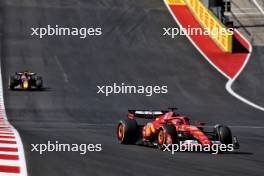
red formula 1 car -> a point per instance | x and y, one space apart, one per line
167 127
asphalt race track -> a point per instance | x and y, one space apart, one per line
252 78
132 50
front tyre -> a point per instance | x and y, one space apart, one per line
127 131
39 82
12 83
223 134
167 135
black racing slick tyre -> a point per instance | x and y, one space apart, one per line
39 82
167 135
224 134
127 131
12 83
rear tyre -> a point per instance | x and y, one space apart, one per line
223 134
127 131
12 82
167 135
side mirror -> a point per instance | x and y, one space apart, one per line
200 123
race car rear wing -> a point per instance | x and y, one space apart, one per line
29 73
145 113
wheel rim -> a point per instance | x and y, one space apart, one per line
161 137
120 132
164 138
168 139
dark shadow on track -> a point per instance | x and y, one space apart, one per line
32 90
238 47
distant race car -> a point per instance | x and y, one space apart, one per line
25 81
167 127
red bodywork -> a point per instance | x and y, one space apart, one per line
170 118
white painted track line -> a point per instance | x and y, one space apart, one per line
8 153
9 163
231 81
8 174
8 145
